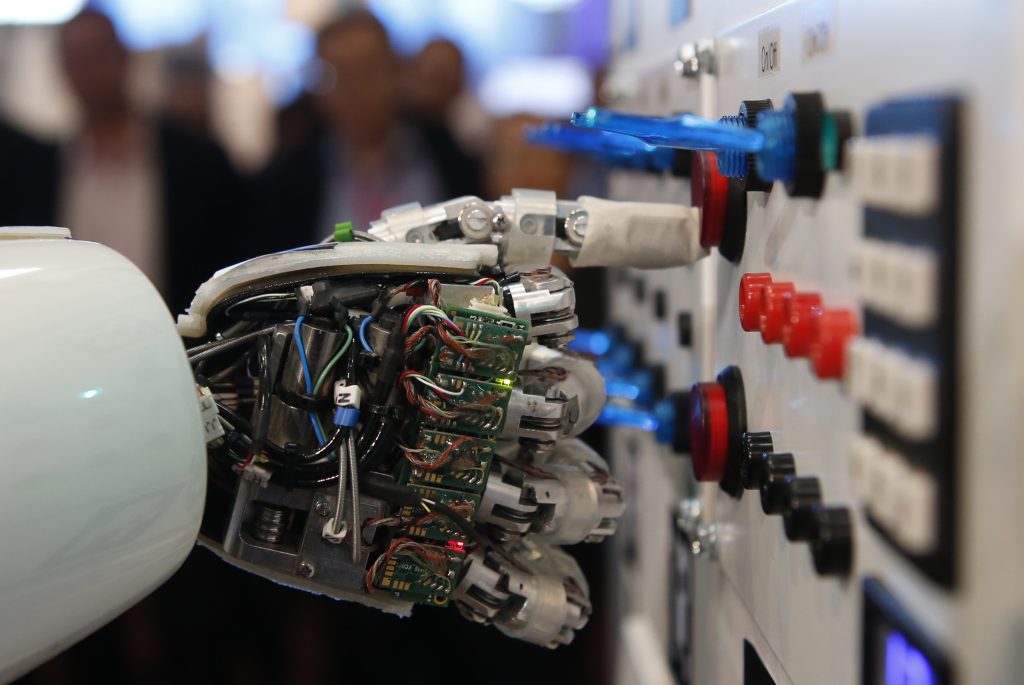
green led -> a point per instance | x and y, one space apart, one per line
343 232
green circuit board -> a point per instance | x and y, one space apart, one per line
467 461
495 348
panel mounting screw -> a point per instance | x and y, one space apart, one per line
322 506
694 59
306 569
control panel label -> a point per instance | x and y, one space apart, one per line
769 51
817 29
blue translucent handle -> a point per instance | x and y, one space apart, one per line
635 386
612 148
587 341
660 421
685 131
627 417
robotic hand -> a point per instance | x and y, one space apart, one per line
393 420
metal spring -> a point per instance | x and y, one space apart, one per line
271 524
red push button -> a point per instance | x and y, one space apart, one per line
798 331
709 191
833 328
773 312
709 431
750 300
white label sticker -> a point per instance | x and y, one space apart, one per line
347 395
817 29
212 427
769 51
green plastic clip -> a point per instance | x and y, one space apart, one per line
343 232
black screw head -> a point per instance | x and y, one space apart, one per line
755 446
832 541
801 495
777 466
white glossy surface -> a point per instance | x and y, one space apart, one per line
102 456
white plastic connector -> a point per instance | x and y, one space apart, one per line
335 538
644 235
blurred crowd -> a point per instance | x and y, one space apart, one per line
374 130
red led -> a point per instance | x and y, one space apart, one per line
773 315
800 310
709 431
832 330
456 545
709 191
750 299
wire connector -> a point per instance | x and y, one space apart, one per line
346 416
335 537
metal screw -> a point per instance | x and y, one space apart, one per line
306 569
322 506
529 225
695 59
703 537
576 226
414 237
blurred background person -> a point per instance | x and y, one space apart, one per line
26 163
187 98
165 198
436 97
367 159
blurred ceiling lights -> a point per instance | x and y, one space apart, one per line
38 11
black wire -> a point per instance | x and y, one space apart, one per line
460 521
262 409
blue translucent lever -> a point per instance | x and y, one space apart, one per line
627 417
635 386
660 421
685 131
612 148
589 341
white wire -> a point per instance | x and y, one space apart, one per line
342 466
356 527
426 381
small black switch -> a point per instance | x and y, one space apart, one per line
777 465
684 326
801 494
660 304
755 445
832 541
639 288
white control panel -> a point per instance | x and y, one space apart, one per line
866 529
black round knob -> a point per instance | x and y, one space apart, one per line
801 494
832 541
808 111
749 110
755 445
777 465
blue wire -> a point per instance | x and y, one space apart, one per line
297 334
362 334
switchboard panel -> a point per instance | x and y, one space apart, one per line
846 364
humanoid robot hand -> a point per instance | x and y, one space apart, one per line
392 420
